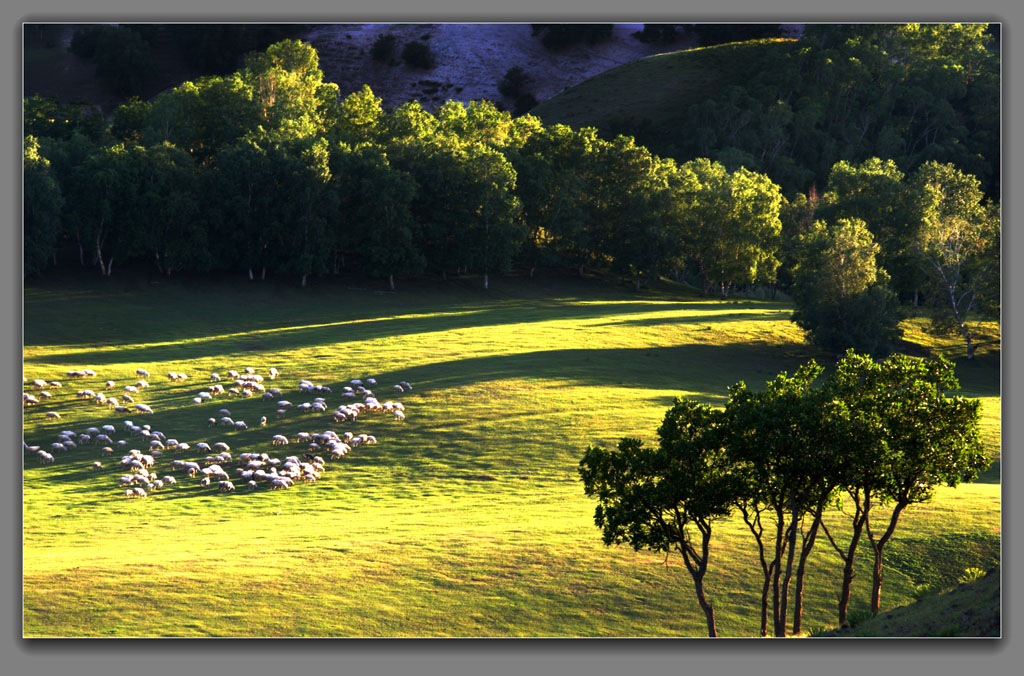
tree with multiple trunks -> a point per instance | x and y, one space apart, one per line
883 433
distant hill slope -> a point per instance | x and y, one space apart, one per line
661 87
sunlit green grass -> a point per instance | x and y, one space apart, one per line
468 519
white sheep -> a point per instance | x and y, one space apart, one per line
110 384
52 415
215 377
263 421
279 440
39 384
272 372
142 373
225 486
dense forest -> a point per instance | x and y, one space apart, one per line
269 170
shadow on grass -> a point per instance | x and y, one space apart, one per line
375 327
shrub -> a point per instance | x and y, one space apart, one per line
383 48
512 84
418 55
971 575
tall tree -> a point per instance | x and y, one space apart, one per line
734 227
782 441
910 437
42 201
666 499
957 246
842 296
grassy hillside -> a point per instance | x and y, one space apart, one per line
468 519
966 609
660 88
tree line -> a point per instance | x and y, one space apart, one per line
268 170
844 459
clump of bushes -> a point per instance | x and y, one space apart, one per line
512 84
383 48
557 36
418 55
524 104
121 54
664 33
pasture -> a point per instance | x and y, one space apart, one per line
466 519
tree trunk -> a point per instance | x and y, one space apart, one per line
485 280
709 611
303 281
99 256
784 596
532 270
263 275
250 274
81 249
391 282
110 265
915 298
638 281
777 623
878 548
798 599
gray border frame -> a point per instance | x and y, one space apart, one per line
492 656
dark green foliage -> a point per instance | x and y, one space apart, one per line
383 48
666 499
121 54
43 203
717 33
46 117
663 33
511 85
556 36
842 297
418 55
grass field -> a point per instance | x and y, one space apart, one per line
468 519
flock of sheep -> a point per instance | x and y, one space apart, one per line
141 474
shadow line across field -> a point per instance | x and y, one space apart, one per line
375 328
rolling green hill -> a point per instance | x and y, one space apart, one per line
659 88
467 519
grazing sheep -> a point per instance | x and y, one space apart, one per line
233 374
398 388
240 425
225 487
97 466
106 450
142 384
226 422
279 440
205 481
144 409
399 415
29 400
110 384
272 372
280 413
127 399
215 377
131 389
55 384
405 386
44 457
263 421
52 415
142 373
211 422
371 382
39 384
169 480
221 447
